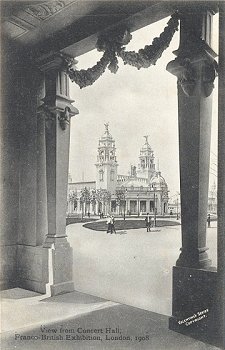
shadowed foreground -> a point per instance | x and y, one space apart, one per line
109 326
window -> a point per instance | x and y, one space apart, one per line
101 175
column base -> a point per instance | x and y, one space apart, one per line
194 308
31 262
61 288
194 258
59 269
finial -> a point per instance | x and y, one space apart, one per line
106 127
146 139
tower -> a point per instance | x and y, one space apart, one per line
106 166
146 166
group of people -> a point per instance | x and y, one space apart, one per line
110 224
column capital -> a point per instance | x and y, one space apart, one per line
57 103
192 71
52 114
195 64
55 62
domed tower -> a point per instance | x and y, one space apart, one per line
146 166
106 166
160 189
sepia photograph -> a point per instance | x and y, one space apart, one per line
112 174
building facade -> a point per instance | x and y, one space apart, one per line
143 191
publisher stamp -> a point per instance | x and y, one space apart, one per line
196 317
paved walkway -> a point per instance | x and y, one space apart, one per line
132 267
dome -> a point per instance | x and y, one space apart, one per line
106 135
146 147
158 181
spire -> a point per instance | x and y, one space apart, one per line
146 166
107 128
106 147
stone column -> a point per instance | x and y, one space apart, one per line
221 178
41 210
32 184
58 109
195 69
129 206
194 284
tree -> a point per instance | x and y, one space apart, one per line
120 198
72 199
106 200
94 199
103 197
99 196
85 198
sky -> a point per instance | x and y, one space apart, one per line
134 103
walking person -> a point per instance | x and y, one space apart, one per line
108 222
148 222
209 220
112 223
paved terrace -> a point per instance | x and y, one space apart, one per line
132 267
122 266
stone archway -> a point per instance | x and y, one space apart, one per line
44 197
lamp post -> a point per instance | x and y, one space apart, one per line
162 200
154 188
124 214
82 209
138 204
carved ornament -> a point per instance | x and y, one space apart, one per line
50 116
187 78
45 10
112 44
64 118
190 71
209 73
